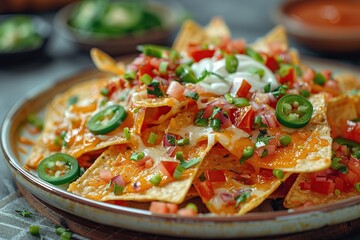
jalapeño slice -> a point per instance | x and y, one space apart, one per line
293 111
59 168
107 120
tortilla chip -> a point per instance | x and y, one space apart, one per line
190 32
309 151
275 39
297 197
340 109
217 28
240 178
55 110
348 82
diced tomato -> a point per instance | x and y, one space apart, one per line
244 89
238 45
198 52
350 177
163 208
205 189
214 175
175 90
146 69
305 185
271 63
354 165
339 184
289 78
326 187
266 174
168 167
120 202
187 212
352 131
243 118
105 175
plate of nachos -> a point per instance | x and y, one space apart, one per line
197 140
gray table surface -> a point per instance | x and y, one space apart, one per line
247 19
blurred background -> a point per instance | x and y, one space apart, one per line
48 40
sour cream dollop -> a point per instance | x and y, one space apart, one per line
230 82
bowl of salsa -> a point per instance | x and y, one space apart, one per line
323 25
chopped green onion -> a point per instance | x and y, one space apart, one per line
182 142
60 230
357 186
174 55
34 229
319 79
305 93
248 152
241 198
24 213
127 133
153 50
336 165
215 124
154 89
146 79
35 121
136 156
285 140
152 138
229 98
193 95
104 91
185 73
357 154
253 54
163 67
118 189
267 88
258 122
179 155
190 163
203 122
156 179
192 206
66 235
179 170
257 71
72 100
231 63
130 75
171 139
241 102
337 192
264 153
279 174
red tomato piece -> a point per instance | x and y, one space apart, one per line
244 89
205 189
163 208
271 63
244 118
201 54
352 131
305 185
339 184
146 69
168 167
323 187
350 177
289 78
354 165
214 175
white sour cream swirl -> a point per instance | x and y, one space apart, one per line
232 81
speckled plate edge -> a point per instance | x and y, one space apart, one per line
203 226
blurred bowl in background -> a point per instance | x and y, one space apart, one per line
106 37
22 37
329 26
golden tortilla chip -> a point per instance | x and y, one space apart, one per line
190 32
217 28
340 109
245 188
275 39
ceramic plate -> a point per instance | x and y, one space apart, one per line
255 224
